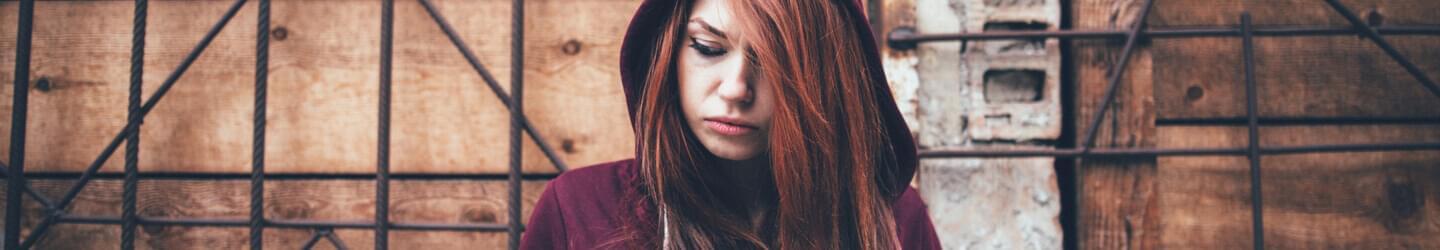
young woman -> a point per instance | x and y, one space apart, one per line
759 124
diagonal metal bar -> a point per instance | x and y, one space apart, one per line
1374 36
494 85
1252 115
335 241
1117 73
21 98
130 127
29 190
906 38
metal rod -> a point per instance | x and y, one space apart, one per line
1191 32
335 240
239 222
1171 152
132 144
517 93
257 150
494 85
1374 36
1116 73
15 179
29 190
130 127
315 238
290 176
1253 115
1296 121
382 171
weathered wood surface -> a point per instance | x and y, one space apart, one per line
1117 196
324 61
415 201
1357 200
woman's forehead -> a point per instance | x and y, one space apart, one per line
711 14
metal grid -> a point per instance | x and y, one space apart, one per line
907 38
55 210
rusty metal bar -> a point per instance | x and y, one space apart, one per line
1253 126
242 222
29 190
1374 36
1296 121
382 175
907 37
15 179
132 144
257 146
494 85
315 238
1117 73
1169 152
517 94
130 127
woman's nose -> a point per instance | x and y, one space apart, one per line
735 87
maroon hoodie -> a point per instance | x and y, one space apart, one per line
584 207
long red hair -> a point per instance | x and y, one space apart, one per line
827 142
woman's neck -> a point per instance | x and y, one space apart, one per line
747 184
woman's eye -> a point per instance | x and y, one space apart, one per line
706 51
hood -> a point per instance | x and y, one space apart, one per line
649 21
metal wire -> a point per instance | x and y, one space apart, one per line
16 177
257 151
132 144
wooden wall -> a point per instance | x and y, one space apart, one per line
1375 200
322 112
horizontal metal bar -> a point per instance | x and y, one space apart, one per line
244 222
1188 32
1293 121
287 176
1114 152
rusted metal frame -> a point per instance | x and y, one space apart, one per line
15 179
29 190
1253 116
907 37
494 85
1170 152
283 223
130 127
1296 121
1374 36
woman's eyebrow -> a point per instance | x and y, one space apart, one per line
707 27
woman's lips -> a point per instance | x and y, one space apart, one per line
728 127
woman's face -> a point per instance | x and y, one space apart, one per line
726 105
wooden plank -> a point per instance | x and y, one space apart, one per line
427 201
323 96
1298 76
1375 200
1117 196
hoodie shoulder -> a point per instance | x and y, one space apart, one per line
578 209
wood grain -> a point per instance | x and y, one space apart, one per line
323 85
416 201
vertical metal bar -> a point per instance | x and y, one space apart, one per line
1252 114
517 95
16 178
382 186
130 127
1374 36
257 151
132 144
